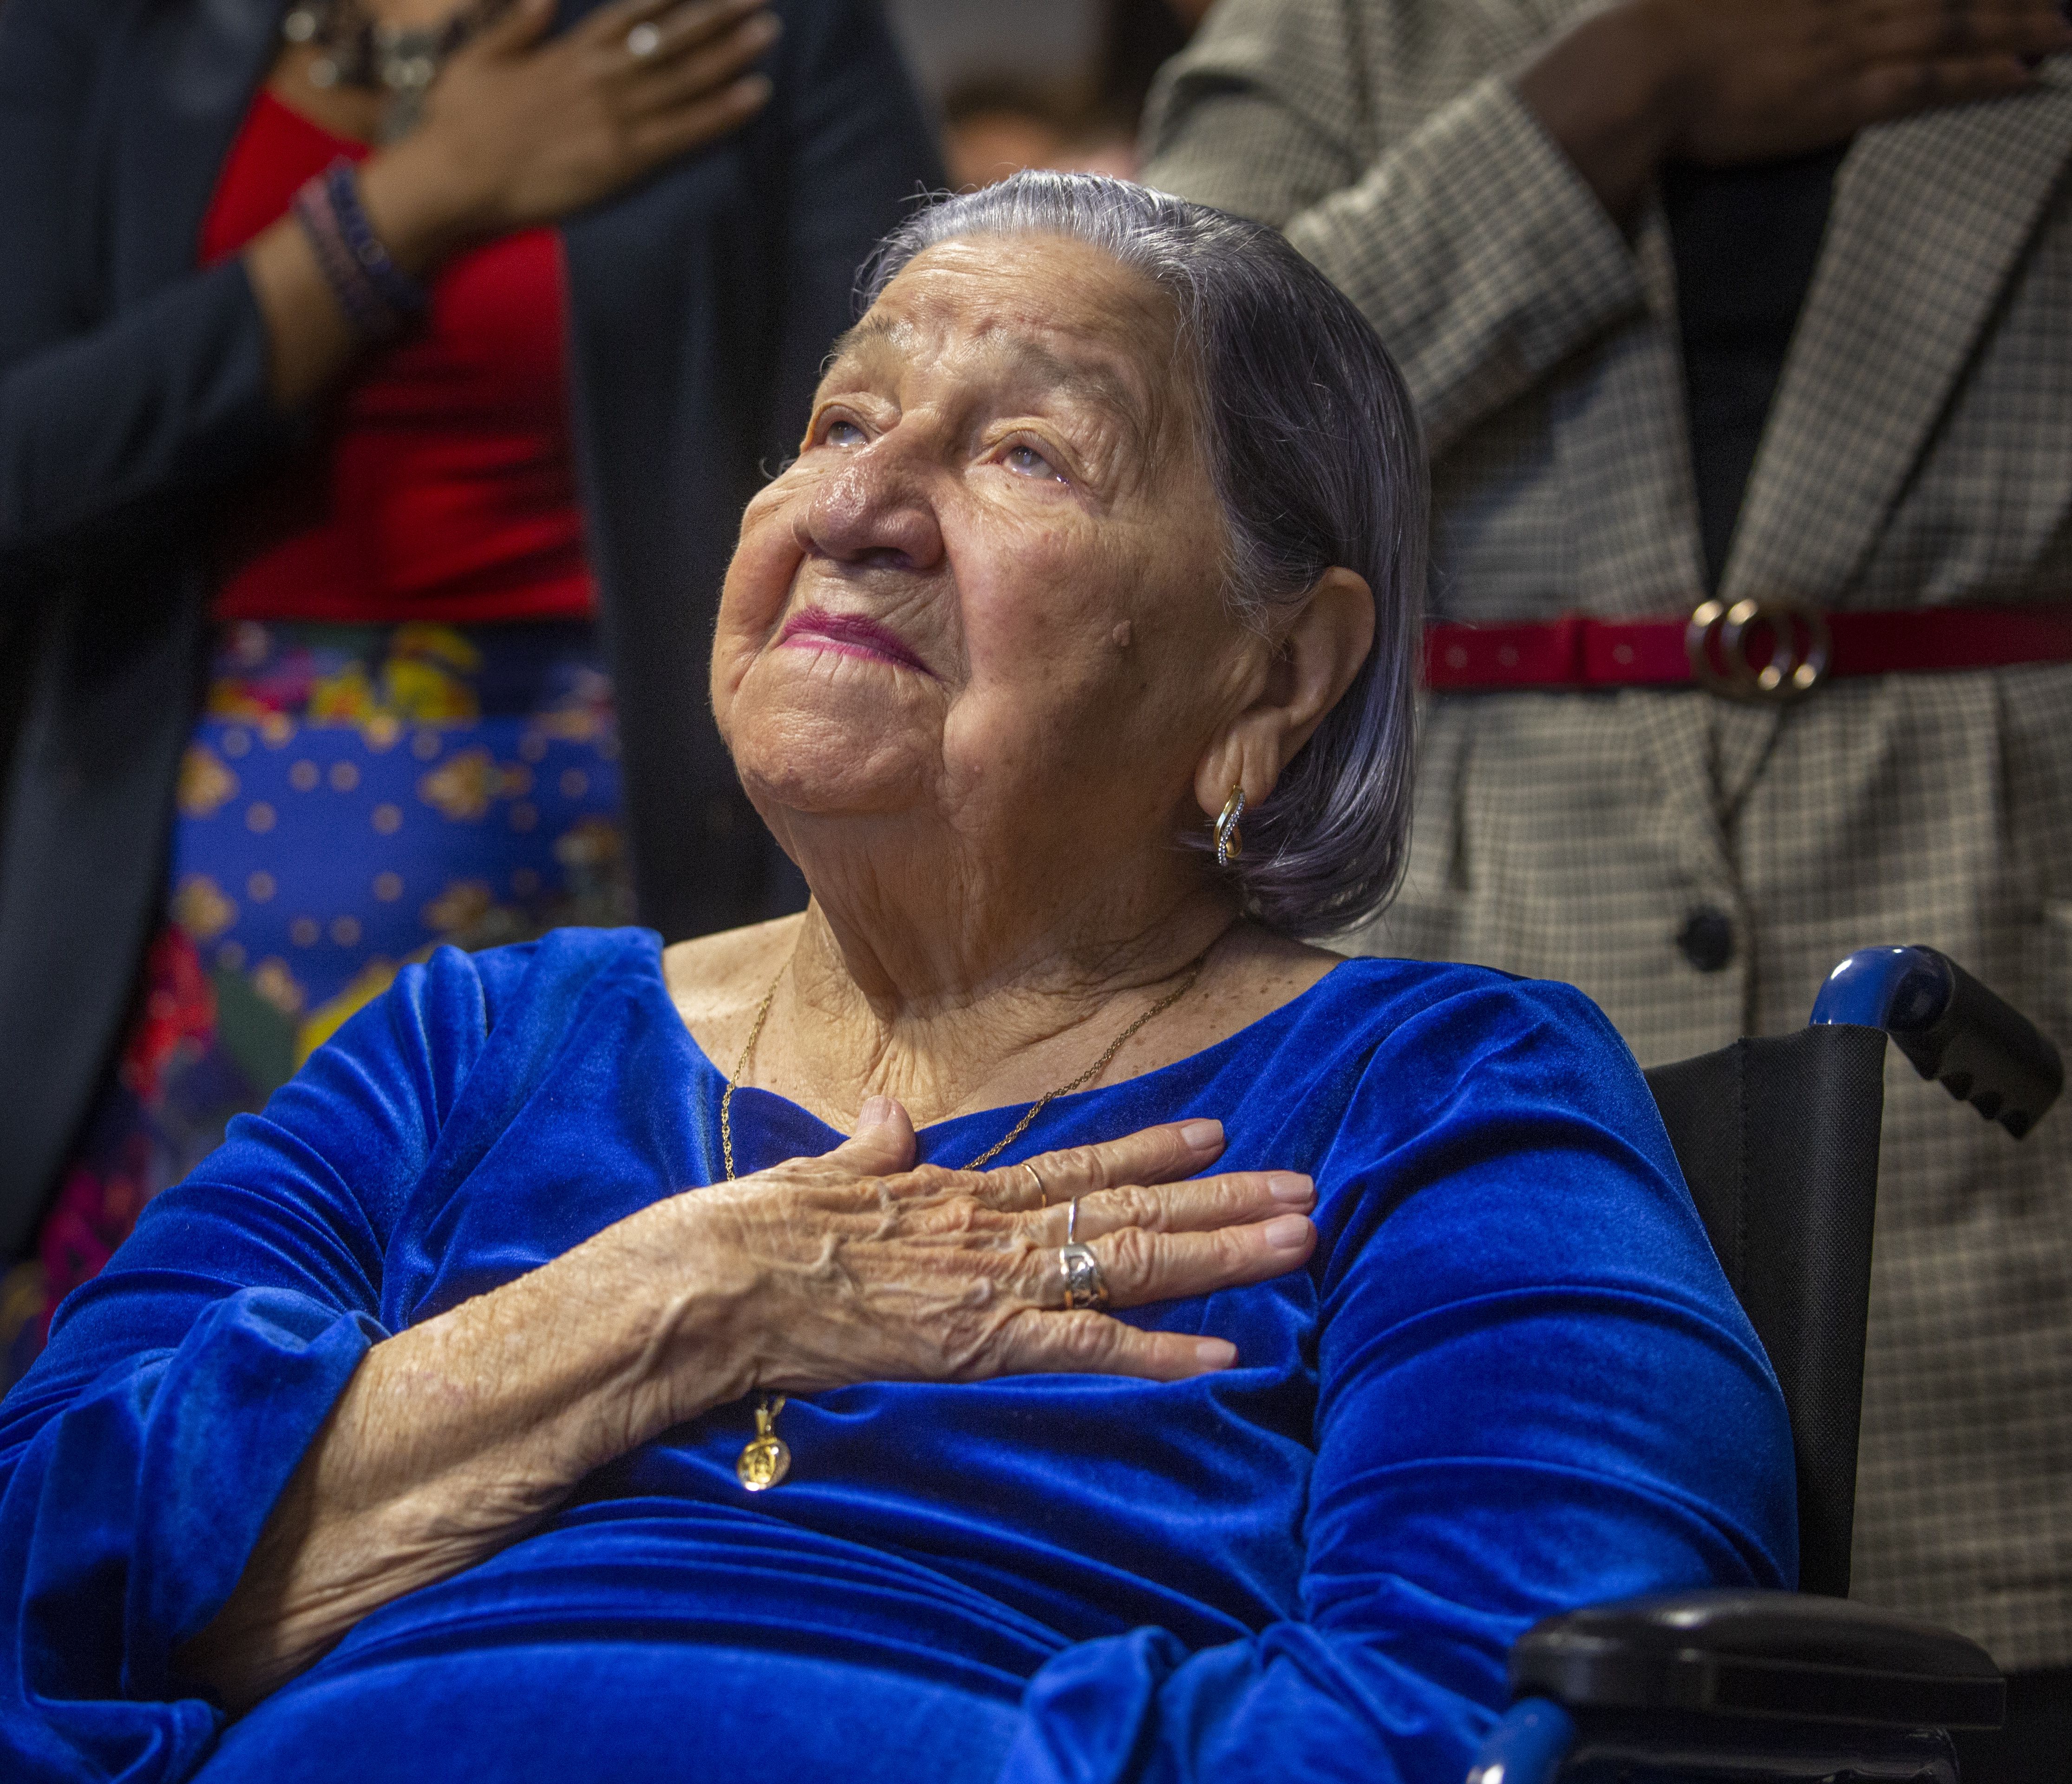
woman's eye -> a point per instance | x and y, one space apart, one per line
1028 462
841 432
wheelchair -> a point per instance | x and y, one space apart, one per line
1779 1140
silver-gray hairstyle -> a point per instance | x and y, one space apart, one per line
1314 451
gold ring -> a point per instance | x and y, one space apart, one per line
1041 1191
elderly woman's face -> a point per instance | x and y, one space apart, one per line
991 580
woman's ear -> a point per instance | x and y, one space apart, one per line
1316 660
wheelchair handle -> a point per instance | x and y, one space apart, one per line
1983 1050
1527 1745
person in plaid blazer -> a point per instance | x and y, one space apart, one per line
1442 161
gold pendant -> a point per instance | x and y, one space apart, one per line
765 1458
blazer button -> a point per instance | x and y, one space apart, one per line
1707 938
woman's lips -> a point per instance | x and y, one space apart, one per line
849 634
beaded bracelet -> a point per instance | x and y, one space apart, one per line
372 320
379 297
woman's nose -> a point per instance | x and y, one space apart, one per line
872 512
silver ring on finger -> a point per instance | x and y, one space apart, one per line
644 40
1072 1223
1042 1194
1085 1284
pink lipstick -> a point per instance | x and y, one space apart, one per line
849 634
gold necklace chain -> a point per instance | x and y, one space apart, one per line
765 1459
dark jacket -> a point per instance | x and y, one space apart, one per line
132 400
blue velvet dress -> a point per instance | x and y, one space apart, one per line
1511 1379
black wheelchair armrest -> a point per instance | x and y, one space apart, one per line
1768 1655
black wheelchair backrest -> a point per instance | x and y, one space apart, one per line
1778 1140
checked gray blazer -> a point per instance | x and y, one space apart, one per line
1919 452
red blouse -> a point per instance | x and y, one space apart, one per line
443 488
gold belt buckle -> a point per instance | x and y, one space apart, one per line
1800 648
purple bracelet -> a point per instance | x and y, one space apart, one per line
372 320
400 292
379 297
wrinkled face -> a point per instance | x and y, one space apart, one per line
989 588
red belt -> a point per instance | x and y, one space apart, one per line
1766 649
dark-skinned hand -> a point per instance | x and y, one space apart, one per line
522 129
1724 82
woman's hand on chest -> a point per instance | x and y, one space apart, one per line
521 129
858 1267
457 1436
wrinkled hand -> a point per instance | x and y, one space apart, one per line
519 131
857 1266
1753 79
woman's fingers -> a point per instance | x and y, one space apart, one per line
1894 90
958 1275
1958 30
1200 1205
669 134
1139 1267
522 26
1926 54
1131 1183
694 33
666 86
881 1145
673 19
1152 1155
1092 1344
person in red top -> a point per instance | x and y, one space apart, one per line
447 491
409 730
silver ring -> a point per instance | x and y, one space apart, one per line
644 40
1085 1285
1044 1193
1072 1223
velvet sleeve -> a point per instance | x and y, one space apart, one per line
142 1454
109 422
1534 1391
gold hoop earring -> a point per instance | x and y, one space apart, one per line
1230 839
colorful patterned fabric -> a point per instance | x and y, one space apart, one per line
353 796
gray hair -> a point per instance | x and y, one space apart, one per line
1314 451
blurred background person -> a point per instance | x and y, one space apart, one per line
996 125
1765 300
1138 38
380 384
1061 86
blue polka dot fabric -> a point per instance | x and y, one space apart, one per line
353 796
356 796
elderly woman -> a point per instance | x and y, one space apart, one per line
545 1388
